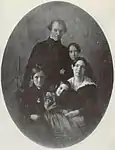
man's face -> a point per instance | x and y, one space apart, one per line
57 31
38 79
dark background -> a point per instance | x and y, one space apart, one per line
82 29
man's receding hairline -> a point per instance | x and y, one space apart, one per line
60 22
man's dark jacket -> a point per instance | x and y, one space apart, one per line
52 56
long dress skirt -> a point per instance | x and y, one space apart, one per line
67 130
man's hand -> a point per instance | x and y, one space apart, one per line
62 71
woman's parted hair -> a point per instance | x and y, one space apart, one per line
88 70
76 46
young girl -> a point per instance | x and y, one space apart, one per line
32 108
32 97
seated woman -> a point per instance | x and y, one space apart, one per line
77 105
86 94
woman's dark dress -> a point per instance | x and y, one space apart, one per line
70 130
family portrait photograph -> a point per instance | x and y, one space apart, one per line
57 74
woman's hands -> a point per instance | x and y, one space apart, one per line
72 113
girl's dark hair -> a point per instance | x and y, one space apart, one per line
60 22
64 82
88 70
36 69
76 46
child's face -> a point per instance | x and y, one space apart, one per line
38 79
61 88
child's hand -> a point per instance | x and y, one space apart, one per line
34 117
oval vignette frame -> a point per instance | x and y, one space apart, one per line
31 29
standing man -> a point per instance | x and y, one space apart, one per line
51 54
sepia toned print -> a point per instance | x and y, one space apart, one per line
58 83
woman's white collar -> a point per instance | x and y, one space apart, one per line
87 81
